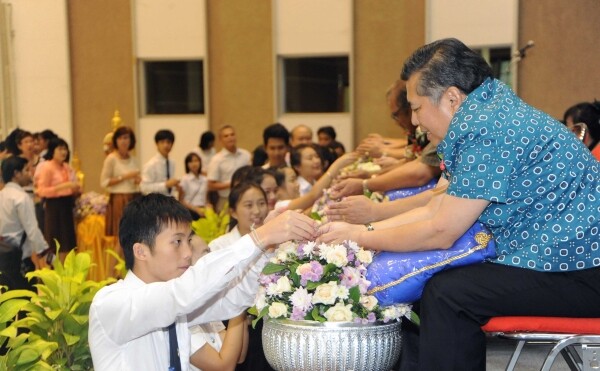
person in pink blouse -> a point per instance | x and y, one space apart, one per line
58 186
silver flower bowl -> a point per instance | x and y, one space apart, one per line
310 345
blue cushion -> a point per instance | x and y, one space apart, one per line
405 192
399 277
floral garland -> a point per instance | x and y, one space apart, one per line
91 203
321 283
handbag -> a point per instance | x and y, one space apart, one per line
399 277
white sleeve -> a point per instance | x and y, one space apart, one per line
126 313
26 212
107 171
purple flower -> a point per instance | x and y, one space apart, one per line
266 279
371 317
297 314
312 271
349 277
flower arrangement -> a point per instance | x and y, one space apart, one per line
91 203
364 164
306 281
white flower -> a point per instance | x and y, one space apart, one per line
394 312
261 298
339 313
284 250
369 302
301 299
277 310
342 292
364 256
326 293
282 285
352 245
324 249
308 248
369 167
337 255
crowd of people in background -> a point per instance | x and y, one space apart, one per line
288 170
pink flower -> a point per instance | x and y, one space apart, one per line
312 271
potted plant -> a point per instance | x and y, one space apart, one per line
48 330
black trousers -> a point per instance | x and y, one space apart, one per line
457 302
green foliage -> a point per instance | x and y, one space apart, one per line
120 267
212 225
48 330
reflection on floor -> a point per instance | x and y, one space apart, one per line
532 357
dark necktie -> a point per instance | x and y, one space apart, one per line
174 361
168 176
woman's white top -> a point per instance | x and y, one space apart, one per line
305 185
207 333
113 167
225 240
194 189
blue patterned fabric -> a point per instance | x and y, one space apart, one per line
542 182
406 192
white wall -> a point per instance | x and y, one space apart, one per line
42 70
170 29
477 23
314 28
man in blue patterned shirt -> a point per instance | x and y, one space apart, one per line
514 169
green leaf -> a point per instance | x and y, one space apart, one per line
414 318
11 294
311 285
27 355
329 268
253 311
262 313
315 215
316 316
53 314
71 339
271 268
354 294
10 308
9 332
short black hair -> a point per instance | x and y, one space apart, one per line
259 156
2 146
327 130
276 130
123 130
48 134
14 139
55 143
10 165
296 154
144 218
445 63
206 139
164 134
589 114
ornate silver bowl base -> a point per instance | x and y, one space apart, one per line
308 345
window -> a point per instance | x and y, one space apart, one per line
315 84
173 87
500 60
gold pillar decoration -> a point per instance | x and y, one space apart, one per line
116 120
76 165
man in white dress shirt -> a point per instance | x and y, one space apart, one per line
225 163
131 320
157 174
18 225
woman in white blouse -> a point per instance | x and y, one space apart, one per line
120 177
193 186
308 164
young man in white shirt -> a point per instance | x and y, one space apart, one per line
157 174
130 320
18 225
225 163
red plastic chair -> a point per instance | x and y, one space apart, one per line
567 334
